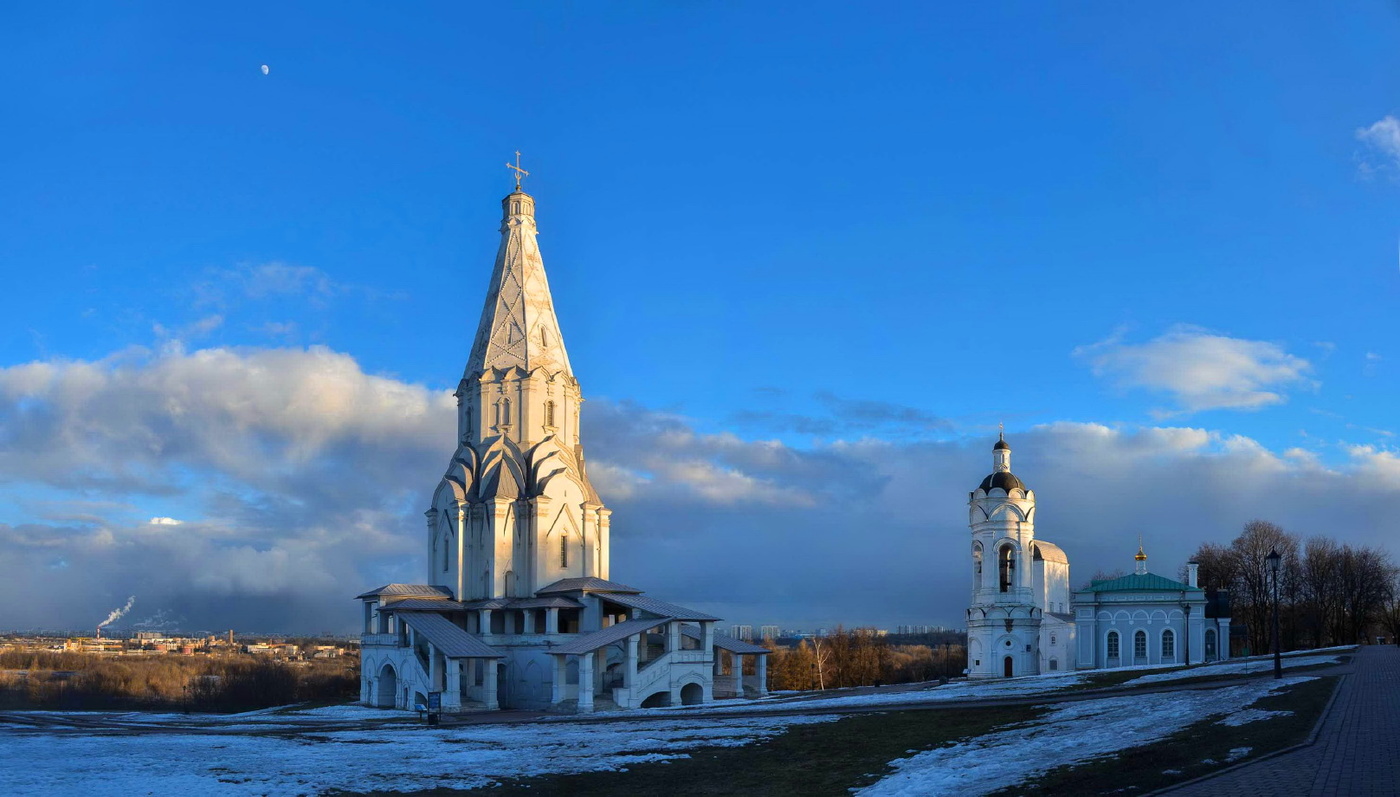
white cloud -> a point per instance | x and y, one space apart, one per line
165 521
309 476
1200 370
1384 138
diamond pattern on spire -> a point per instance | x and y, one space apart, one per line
518 326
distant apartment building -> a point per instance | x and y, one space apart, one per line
919 629
742 632
768 632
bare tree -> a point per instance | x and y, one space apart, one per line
1321 590
1390 615
1367 578
1218 567
1253 581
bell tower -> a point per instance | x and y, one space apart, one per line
1004 618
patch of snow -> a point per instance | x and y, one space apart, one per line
1251 715
1070 733
394 758
1233 668
1238 753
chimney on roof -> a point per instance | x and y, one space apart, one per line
1191 570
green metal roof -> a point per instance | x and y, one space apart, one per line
1146 582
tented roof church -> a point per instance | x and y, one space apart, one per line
517 609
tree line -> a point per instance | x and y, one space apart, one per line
33 679
1328 593
861 657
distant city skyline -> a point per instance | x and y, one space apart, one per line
802 279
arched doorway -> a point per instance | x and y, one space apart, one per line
692 695
388 687
505 684
657 700
1008 667
1211 653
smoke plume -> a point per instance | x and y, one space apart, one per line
117 613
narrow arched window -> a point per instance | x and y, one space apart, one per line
1006 566
1140 645
563 550
1111 648
1168 644
549 413
505 411
446 552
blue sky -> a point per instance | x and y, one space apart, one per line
852 236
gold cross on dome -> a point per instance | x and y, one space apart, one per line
519 172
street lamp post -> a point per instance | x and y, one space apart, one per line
1275 564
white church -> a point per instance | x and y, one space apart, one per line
1024 620
517 609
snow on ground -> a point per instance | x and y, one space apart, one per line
398 758
1251 715
1069 733
1028 686
284 718
864 697
1235 668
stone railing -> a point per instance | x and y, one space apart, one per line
382 640
658 667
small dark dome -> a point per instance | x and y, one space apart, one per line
1003 479
1001 446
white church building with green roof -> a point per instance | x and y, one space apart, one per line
1144 618
1023 618
517 609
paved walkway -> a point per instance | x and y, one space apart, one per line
1357 750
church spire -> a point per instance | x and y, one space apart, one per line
518 328
1140 568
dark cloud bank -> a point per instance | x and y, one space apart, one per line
299 480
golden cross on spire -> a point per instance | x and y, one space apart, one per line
1001 430
519 172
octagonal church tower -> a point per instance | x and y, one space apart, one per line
1018 622
515 510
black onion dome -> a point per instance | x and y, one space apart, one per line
1001 446
1003 479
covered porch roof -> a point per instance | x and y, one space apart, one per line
590 642
728 643
659 607
451 641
